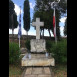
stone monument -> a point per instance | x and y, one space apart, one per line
38 45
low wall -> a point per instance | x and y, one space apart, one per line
24 37
29 37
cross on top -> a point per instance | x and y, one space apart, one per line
38 24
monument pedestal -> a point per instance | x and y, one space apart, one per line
38 60
38 45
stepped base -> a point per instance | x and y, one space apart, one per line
37 60
37 72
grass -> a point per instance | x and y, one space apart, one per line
16 69
60 70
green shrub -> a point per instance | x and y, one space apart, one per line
13 53
49 45
27 44
59 50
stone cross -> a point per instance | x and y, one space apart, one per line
38 24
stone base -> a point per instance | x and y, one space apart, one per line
37 72
37 60
38 45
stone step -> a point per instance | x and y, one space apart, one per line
37 76
37 60
33 56
37 72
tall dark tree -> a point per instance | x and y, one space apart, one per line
13 23
26 16
11 11
65 28
11 7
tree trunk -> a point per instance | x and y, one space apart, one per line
49 33
27 34
12 29
43 34
40 33
13 34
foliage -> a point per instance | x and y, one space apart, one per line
14 70
10 22
60 70
27 44
59 50
49 45
65 28
13 23
63 6
15 20
14 53
26 16
11 11
11 7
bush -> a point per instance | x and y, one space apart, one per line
13 53
27 44
59 50
49 45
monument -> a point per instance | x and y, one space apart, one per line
38 45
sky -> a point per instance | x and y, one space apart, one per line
32 31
